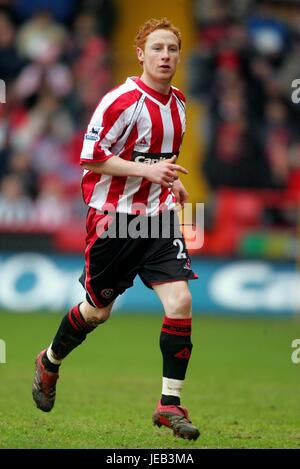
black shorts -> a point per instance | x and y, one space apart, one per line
120 246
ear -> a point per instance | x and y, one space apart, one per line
140 54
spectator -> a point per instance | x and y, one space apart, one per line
61 11
56 66
39 36
20 165
269 35
51 209
15 205
277 139
234 157
10 61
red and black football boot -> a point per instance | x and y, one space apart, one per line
44 384
176 418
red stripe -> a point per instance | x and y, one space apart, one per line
177 322
179 94
101 99
116 189
157 129
110 117
140 198
177 140
92 237
157 134
185 334
113 112
130 142
79 317
72 322
118 183
88 184
165 191
177 125
81 320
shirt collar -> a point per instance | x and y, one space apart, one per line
162 98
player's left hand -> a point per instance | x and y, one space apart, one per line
180 192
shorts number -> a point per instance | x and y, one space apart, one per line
179 243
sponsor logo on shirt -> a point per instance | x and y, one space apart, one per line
150 158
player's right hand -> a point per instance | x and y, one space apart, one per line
164 172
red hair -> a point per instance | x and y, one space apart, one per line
152 25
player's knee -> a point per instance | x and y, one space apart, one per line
94 316
99 316
180 304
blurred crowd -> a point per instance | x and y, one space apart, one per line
55 61
246 56
55 58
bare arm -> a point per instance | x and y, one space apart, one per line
180 193
116 166
164 172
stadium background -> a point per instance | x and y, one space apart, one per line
242 150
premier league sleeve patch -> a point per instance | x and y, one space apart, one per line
93 133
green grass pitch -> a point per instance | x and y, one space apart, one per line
242 388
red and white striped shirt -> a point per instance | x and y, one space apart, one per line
135 123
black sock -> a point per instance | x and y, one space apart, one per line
170 400
176 348
71 333
49 365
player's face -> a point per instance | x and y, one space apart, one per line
160 55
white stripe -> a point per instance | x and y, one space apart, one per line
126 118
168 131
131 187
153 199
169 201
87 151
171 387
182 116
100 192
133 184
108 99
111 137
144 128
110 145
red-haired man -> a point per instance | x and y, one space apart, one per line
129 158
